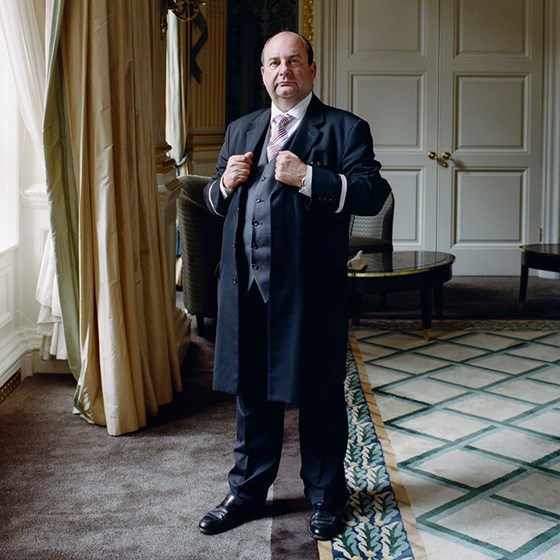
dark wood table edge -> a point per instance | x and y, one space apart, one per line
428 281
539 261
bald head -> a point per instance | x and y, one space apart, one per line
288 69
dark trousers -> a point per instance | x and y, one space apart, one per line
323 428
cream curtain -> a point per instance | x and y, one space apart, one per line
99 139
177 63
23 24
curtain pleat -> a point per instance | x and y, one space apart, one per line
129 365
178 50
61 187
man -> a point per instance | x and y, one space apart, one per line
282 305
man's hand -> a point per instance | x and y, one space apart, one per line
290 170
237 170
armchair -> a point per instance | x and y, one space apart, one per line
373 234
200 240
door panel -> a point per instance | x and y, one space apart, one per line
491 206
408 189
400 95
490 27
491 112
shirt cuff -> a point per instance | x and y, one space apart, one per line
343 189
226 193
306 187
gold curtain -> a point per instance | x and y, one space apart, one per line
100 139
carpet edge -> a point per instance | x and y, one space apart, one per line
325 550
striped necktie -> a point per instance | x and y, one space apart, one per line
279 136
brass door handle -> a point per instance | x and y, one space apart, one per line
447 156
434 156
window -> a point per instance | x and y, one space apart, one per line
9 119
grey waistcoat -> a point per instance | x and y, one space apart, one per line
257 227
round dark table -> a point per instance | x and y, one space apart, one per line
542 256
401 271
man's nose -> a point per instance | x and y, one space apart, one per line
284 69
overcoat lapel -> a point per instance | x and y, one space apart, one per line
309 131
256 131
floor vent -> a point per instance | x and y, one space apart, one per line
10 385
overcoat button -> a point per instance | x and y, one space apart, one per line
235 280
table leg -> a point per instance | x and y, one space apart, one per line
523 286
438 300
355 308
426 311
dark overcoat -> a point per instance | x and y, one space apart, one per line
308 321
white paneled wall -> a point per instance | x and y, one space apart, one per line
21 227
20 264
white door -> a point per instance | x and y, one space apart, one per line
452 90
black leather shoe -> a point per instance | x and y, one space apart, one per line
233 511
325 522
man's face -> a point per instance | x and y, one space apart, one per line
286 73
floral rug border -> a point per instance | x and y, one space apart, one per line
379 522
457 324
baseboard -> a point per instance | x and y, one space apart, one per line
20 352
49 366
15 353
10 385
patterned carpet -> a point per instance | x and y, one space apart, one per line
378 509
473 420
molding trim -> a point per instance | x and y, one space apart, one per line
324 32
551 124
36 196
16 353
169 189
307 17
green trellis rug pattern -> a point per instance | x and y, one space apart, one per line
473 419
